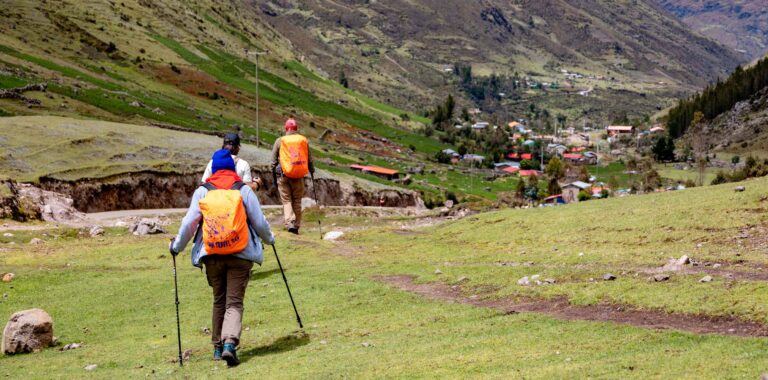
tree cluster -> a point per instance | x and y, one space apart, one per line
719 97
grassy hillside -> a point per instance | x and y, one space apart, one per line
359 325
742 25
399 50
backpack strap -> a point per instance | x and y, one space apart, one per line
209 186
237 185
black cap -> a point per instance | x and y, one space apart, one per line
232 138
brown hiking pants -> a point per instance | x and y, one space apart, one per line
291 191
228 276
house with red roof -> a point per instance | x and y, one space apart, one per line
378 171
529 173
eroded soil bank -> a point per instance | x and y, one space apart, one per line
147 190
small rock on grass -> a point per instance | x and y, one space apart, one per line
462 279
661 277
71 346
549 280
438 271
739 189
90 367
706 279
8 234
187 354
333 235
366 344
524 281
36 241
8 277
608 277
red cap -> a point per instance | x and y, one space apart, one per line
290 125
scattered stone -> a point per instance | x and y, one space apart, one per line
438 271
581 254
449 203
187 354
524 281
739 189
147 226
96 231
137 104
366 344
27 331
8 277
36 241
462 279
706 279
71 346
333 235
121 223
676 265
323 342
549 281
608 277
55 341
205 330
158 111
8 234
717 265
661 277
90 367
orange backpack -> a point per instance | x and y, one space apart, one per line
294 156
225 223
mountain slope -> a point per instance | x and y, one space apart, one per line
739 24
397 50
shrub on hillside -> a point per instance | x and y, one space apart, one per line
529 165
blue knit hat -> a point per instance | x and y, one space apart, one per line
222 159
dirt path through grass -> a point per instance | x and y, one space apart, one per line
562 309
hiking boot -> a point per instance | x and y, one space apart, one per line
293 230
230 355
217 353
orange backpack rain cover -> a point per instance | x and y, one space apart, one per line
294 156
225 223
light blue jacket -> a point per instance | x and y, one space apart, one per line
257 224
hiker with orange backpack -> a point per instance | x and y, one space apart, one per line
291 161
226 220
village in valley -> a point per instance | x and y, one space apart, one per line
564 165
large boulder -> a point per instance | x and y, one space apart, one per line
27 331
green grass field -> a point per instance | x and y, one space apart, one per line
115 295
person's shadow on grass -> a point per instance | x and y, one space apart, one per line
282 344
256 275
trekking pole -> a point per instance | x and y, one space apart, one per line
298 319
176 293
317 200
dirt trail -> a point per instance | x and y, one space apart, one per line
562 309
